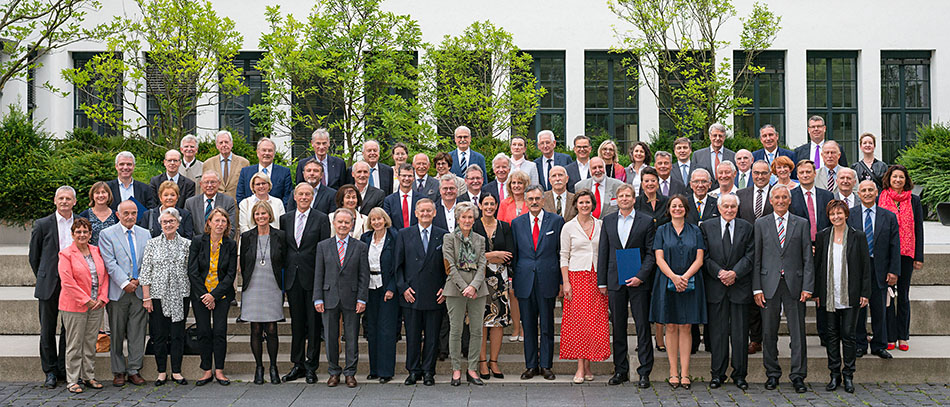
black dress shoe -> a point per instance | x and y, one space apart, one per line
799 385
411 380
715 383
848 384
274 376
295 373
428 379
860 352
202 382
61 375
833 383
771 383
474 380
372 377
882 353
311 376
644 382
159 382
182 382
742 384
618 378
259 375
529 373
384 380
50 382
547 373
224 382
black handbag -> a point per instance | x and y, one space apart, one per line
192 346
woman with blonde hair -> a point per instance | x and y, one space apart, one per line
261 186
514 204
381 321
607 151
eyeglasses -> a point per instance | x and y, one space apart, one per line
168 221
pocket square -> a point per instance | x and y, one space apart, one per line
549 233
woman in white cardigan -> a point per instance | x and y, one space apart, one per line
261 185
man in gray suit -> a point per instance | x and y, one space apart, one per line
826 177
341 287
783 274
424 184
123 247
710 157
201 205
603 187
559 200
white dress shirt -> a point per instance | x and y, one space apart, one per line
701 203
624 224
748 178
679 169
449 216
64 230
544 167
564 202
375 251
814 196
732 231
583 170
851 200
811 154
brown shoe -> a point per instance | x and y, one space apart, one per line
350 381
137 379
754 347
333 381
118 380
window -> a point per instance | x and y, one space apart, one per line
155 85
832 79
310 111
610 98
905 99
684 69
234 112
767 92
548 68
88 95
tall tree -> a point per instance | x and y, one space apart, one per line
678 49
173 59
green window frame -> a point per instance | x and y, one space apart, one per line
610 99
905 99
549 69
81 96
767 92
832 80
234 112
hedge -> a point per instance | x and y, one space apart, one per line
928 163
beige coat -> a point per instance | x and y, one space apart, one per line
229 185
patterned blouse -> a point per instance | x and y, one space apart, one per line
98 225
165 271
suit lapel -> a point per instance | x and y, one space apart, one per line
348 253
632 227
545 224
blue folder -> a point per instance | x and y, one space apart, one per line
628 264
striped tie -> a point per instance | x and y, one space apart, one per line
781 232
342 251
831 180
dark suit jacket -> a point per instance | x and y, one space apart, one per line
186 188
492 188
859 267
465 197
659 214
373 199
473 157
541 264
143 193
799 207
278 254
710 210
199 260
341 286
392 204
440 220
739 260
324 201
420 269
44 256
387 258
574 174
196 205
186 228
803 152
335 171
676 187
886 257
559 159
385 178
301 259
641 237
281 185
747 203
430 188
760 155
702 158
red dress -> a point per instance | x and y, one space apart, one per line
585 330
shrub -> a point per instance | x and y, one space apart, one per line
928 163
207 149
26 188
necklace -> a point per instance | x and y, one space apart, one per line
262 249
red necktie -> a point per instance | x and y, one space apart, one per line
717 161
536 233
405 210
597 203
811 215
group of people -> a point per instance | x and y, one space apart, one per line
727 241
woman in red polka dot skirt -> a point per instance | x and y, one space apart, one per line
585 333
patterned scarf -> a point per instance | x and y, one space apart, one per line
468 260
899 203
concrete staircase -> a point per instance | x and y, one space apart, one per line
927 361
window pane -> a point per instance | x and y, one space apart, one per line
843 129
595 124
625 131
595 83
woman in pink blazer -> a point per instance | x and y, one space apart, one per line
84 293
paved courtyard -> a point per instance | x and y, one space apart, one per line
509 394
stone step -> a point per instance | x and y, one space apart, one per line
928 360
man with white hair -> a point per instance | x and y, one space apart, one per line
559 200
701 199
372 197
334 168
726 175
549 158
463 156
826 177
227 164
380 174
710 157
281 184
846 181
125 188
186 186
191 166
603 187
202 204
744 167
501 166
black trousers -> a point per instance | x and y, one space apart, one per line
878 307
212 331
306 327
167 338
422 339
639 303
898 314
52 357
840 341
381 324
755 323
728 327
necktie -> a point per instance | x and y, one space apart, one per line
699 208
817 157
135 265
463 162
371 183
326 172
684 169
831 180
224 172
597 203
770 158
342 251
547 182
717 160
536 233
742 181
558 206
421 183
758 204
425 240
501 191
811 215
298 228
405 210
781 231
869 230
727 240
265 171
209 208
847 201
666 189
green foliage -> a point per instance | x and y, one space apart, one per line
736 143
188 64
24 176
86 140
241 147
928 163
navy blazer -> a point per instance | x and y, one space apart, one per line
186 227
574 175
541 264
710 210
492 188
886 258
474 157
422 270
301 259
799 208
387 263
281 185
199 260
559 159
760 155
335 171
392 204
186 187
142 193
641 236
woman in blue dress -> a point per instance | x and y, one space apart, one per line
678 295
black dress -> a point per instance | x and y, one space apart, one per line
497 309
875 173
679 251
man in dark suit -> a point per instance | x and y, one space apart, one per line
881 230
628 229
445 208
401 205
704 157
420 276
124 187
558 199
812 149
473 183
200 206
186 187
50 235
340 289
670 184
501 166
372 196
281 184
305 228
684 166
783 278
549 158
808 201
334 168
579 170
702 201
424 184
536 281
380 175
770 150
754 204
728 284
463 155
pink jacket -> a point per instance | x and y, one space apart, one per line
76 280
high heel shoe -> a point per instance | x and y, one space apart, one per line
474 380
497 375
484 376
274 377
672 383
456 381
259 375
684 384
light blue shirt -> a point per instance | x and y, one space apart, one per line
173 179
126 192
624 225
864 214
